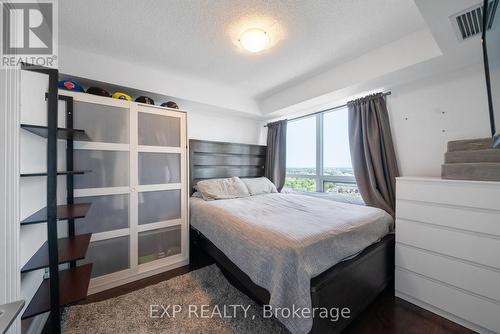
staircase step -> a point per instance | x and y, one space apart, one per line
482 171
470 144
488 155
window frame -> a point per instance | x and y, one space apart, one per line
319 177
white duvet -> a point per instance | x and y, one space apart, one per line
281 241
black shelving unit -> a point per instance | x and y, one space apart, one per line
64 212
70 249
66 172
62 133
67 286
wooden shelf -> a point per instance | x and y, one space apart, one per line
8 313
64 212
69 249
69 172
73 287
62 133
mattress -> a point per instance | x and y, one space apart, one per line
281 241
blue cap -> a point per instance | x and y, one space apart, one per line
70 85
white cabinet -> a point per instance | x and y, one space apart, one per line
137 186
448 249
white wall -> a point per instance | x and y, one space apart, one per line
205 121
9 190
327 85
4 298
148 78
221 127
426 114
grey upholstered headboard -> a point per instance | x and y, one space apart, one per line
213 159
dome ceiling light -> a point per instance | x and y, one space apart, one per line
254 40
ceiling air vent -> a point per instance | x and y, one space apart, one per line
470 22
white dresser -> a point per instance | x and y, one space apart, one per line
448 249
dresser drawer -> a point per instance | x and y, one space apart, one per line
468 246
479 280
473 194
477 220
468 307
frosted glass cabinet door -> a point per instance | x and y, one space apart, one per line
159 168
160 243
159 130
107 213
108 168
159 206
102 123
108 256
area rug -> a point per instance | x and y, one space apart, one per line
201 301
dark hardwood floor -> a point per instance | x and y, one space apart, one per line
387 314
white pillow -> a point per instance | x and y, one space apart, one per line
260 185
222 188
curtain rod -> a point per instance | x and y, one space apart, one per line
326 110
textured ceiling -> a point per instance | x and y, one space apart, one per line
196 37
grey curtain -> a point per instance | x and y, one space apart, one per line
275 167
372 152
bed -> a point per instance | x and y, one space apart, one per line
343 259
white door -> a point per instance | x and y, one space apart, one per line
107 186
160 185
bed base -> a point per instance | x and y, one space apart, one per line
354 283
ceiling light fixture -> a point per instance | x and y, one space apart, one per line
254 40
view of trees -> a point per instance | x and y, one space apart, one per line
309 184
300 184
331 171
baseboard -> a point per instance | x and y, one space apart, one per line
442 313
93 289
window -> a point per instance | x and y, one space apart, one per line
301 147
336 154
318 156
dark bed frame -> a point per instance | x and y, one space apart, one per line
354 283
